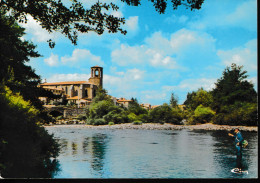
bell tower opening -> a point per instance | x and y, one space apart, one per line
96 76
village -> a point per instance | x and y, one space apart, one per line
77 97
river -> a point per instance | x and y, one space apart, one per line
133 153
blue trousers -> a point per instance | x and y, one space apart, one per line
239 156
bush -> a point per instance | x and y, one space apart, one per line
203 114
116 117
111 123
132 117
99 121
241 113
81 117
165 114
144 118
137 123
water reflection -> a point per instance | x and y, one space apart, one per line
91 150
99 146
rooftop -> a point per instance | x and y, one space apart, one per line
66 83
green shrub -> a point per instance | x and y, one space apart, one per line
132 117
81 117
144 118
241 113
59 117
116 117
203 114
137 123
165 114
111 123
99 121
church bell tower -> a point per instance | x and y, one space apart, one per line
96 76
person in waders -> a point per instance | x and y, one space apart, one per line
238 143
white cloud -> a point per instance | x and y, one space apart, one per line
245 55
125 85
38 33
176 19
253 80
53 60
193 85
154 95
128 55
159 60
81 57
118 14
132 23
185 39
68 77
159 51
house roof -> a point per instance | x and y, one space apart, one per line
124 100
73 98
96 66
66 83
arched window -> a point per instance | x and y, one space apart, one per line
96 72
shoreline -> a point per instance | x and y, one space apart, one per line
165 126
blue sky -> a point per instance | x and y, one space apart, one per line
179 51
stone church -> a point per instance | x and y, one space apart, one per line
77 92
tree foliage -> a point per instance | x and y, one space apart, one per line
25 147
233 87
72 18
135 108
174 100
14 54
200 97
165 114
203 114
101 94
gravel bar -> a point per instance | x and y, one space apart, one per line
165 126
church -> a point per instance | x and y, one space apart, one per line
77 92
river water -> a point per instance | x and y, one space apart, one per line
131 153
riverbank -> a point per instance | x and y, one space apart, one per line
165 126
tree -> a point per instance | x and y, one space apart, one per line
14 54
73 18
189 100
101 94
135 108
174 100
199 97
235 99
233 87
22 139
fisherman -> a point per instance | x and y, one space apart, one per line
238 143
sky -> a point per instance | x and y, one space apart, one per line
176 52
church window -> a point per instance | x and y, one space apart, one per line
86 93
